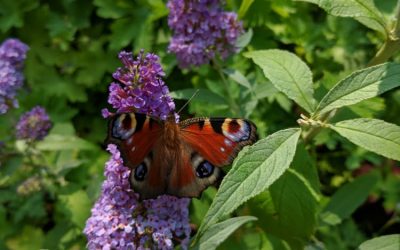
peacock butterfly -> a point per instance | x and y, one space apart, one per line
179 159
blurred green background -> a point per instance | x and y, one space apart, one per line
73 52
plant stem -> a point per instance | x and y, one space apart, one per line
392 43
232 104
389 48
312 132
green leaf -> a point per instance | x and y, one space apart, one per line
363 11
54 236
296 206
386 242
348 198
361 85
305 167
243 40
375 135
78 206
264 90
238 77
12 13
113 9
63 129
5 224
199 207
124 33
32 208
244 7
54 142
203 95
368 108
29 238
253 171
288 73
217 233
289 209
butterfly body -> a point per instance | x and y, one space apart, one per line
180 159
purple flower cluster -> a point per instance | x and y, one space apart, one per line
120 221
140 87
34 124
201 30
12 57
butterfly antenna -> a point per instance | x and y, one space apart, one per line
188 101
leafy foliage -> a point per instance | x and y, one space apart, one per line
319 78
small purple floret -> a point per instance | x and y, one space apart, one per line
12 57
139 87
34 124
201 30
120 221
14 51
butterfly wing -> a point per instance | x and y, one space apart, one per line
180 160
218 140
135 136
208 143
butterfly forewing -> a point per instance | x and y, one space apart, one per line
134 134
218 140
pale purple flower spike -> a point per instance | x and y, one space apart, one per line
34 124
140 87
201 29
120 221
12 57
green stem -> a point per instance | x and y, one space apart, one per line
389 48
312 132
392 43
232 104
396 29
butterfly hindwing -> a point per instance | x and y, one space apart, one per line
192 174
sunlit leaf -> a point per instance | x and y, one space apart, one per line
386 242
375 135
254 170
217 233
363 11
361 85
78 205
288 73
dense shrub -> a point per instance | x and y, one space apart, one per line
320 79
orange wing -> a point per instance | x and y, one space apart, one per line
135 135
218 140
